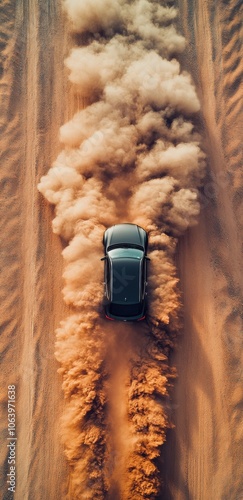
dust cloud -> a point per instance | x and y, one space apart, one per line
131 155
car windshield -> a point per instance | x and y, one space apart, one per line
124 252
124 245
126 310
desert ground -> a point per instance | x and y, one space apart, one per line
202 455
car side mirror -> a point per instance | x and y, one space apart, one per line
103 258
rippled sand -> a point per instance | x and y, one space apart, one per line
202 458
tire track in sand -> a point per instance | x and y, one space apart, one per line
40 457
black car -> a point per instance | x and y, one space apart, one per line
125 282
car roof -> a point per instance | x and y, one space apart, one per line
125 280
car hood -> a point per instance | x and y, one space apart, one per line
126 234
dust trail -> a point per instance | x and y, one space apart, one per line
131 155
83 423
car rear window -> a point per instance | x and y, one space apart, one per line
125 310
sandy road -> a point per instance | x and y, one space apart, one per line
203 455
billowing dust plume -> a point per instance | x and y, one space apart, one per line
132 155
